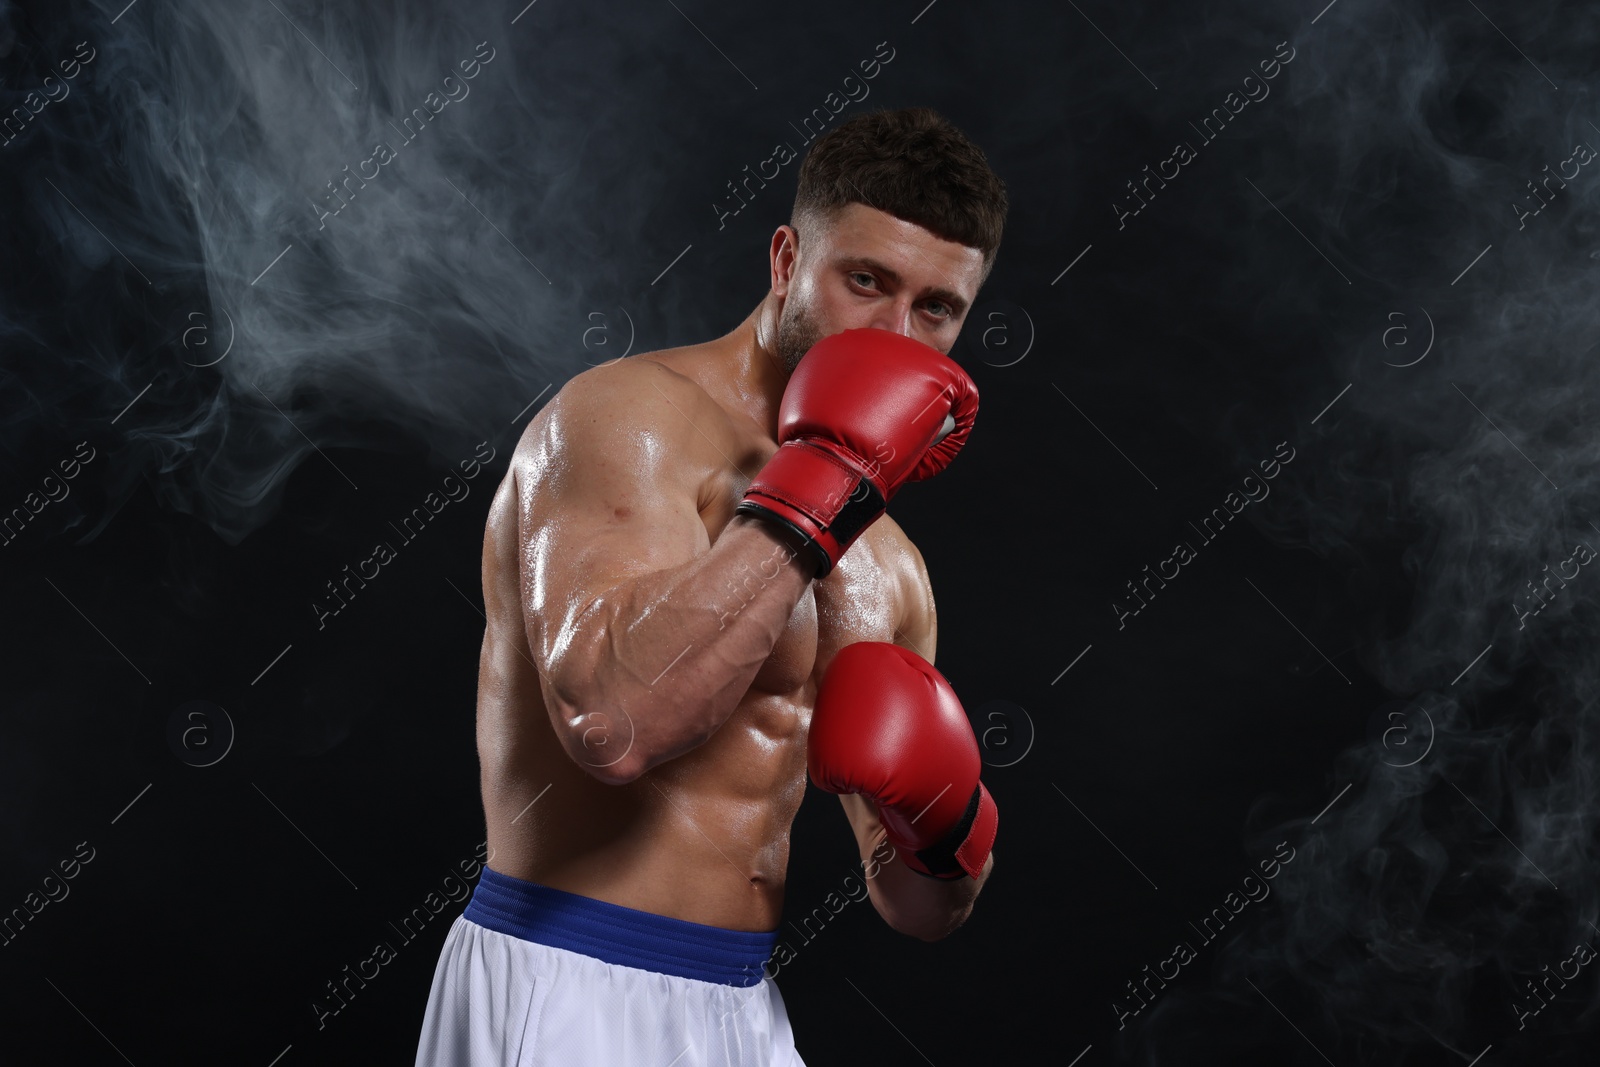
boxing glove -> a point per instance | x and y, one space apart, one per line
864 412
887 725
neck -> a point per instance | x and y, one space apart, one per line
748 365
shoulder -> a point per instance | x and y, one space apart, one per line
632 411
622 392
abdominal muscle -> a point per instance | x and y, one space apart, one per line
703 837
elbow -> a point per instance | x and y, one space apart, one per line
603 741
602 753
925 926
621 773
596 732
604 744
928 934
931 934
586 706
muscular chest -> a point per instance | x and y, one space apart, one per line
860 600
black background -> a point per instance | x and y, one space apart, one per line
1268 294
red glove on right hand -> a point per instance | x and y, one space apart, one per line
887 725
861 416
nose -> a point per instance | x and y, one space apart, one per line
896 318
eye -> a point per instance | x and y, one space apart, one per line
945 310
857 275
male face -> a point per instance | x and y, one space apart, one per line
868 268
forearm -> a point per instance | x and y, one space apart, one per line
656 666
914 904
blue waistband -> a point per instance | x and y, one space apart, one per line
619 935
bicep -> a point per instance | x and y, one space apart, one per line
606 497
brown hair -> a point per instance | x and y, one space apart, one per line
912 164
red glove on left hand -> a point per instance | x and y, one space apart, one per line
889 726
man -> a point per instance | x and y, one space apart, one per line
681 586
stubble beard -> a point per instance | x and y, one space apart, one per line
797 333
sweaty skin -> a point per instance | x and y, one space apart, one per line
651 660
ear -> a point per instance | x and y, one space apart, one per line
782 255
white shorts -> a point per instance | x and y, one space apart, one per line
532 976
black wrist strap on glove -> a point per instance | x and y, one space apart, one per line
940 858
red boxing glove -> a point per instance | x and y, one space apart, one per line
864 412
889 726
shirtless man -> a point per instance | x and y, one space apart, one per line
664 606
